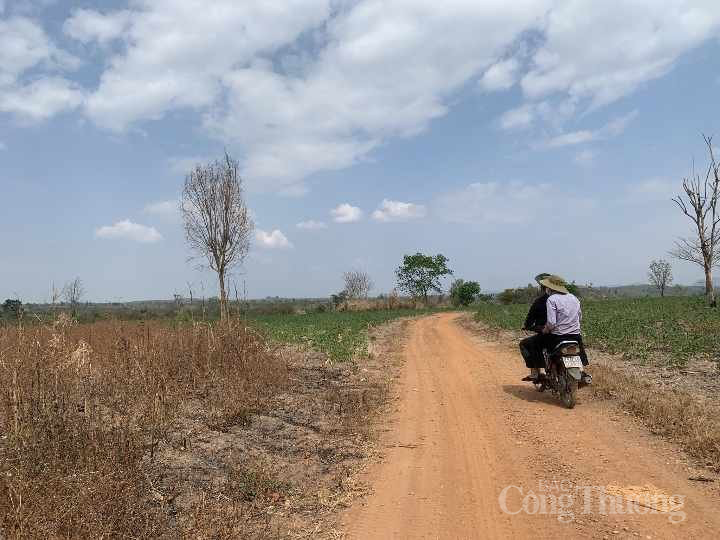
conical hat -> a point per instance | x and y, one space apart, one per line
556 283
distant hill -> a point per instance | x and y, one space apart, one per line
639 290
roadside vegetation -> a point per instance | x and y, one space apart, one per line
86 410
146 429
670 329
342 335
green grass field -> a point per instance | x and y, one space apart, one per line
340 335
673 328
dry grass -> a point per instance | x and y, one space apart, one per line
84 407
147 430
684 417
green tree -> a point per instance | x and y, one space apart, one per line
13 308
573 289
464 293
520 295
339 299
420 274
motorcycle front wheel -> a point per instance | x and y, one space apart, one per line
568 390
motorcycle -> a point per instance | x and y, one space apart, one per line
563 372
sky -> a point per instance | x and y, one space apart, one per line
512 137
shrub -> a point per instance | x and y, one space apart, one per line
464 293
521 295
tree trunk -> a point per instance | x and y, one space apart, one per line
662 291
223 297
709 289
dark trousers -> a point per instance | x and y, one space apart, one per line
532 347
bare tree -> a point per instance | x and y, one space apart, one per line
358 284
660 275
55 295
73 291
216 219
700 205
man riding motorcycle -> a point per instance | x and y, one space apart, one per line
562 323
531 347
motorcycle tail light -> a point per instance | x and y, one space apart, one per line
570 350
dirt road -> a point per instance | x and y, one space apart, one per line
466 430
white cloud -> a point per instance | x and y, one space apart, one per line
25 46
366 71
500 76
398 211
87 25
127 230
612 129
3 146
585 157
184 165
618 125
521 117
570 139
303 86
641 40
165 209
41 99
652 190
346 213
492 202
177 52
272 240
311 225
510 203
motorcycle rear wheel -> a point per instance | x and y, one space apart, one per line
568 391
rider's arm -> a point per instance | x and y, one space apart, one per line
551 316
526 324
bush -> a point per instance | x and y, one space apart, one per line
464 293
521 295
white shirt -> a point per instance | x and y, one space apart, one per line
563 314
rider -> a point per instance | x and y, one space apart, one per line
531 347
563 318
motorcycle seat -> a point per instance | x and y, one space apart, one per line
568 343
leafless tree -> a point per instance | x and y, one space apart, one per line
700 204
357 284
216 219
73 291
55 294
660 275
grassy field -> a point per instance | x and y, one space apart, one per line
341 335
675 328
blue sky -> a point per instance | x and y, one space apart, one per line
515 138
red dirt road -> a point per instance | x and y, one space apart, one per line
466 428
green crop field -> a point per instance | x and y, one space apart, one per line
341 335
672 328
